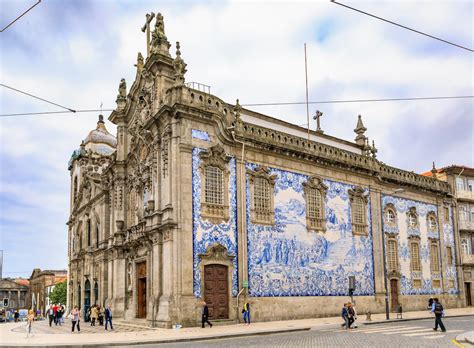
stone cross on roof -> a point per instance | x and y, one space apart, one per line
146 28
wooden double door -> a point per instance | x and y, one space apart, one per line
394 294
216 291
141 290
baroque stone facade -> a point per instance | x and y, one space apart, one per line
198 199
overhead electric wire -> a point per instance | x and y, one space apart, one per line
262 104
403 26
36 97
17 18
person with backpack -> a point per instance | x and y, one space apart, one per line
345 316
438 311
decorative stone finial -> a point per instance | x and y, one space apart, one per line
374 150
179 67
159 42
101 119
237 110
360 130
317 117
434 171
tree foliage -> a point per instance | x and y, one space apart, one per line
59 293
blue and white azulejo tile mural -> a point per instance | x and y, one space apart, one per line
206 233
286 259
403 231
448 233
201 135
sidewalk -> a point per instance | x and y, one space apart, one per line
12 334
466 337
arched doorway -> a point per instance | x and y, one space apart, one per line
141 289
96 293
216 290
87 299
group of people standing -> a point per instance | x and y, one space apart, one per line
56 314
95 313
349 314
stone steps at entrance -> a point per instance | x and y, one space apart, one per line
219 322
138 323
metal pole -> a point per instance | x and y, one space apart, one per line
1 264
306 74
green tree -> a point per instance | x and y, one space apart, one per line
59 293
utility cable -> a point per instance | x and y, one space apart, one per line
403 26
17 18
261 104
33 96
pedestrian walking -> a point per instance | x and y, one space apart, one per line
205 315
55 311
75 318
246 312
430 303
94 315
29 323
16 316
351 312
59 315
355 315
345 316
108 316
100 311
51 314
63 311
438 310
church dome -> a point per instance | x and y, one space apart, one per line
100 140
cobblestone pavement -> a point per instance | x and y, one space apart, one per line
416 334
42 327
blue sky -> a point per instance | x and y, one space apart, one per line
75 53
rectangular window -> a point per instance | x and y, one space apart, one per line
359 211
459 184
436 283
417 283
314 204
392 255
434 257
214 187
449 256
415 256
451 283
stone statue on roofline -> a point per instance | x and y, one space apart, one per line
140 62
159 41
122 90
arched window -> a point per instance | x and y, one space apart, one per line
390 216
434 257
465 247
214 185
432 223
412 220
392 255
415 263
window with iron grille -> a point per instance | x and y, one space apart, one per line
434 257
390 216
432 223
314 202
214 185
261 196
392 255
415 256
359 211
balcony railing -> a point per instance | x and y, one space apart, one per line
467 259
465 194
466 225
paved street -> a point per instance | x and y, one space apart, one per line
417 333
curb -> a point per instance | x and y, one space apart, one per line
411 319
170 340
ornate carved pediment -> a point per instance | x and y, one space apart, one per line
216 252
215 156
316 182
262 172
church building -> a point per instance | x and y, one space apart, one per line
197 199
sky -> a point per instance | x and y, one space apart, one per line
74 53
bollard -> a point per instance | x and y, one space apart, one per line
368 316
